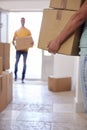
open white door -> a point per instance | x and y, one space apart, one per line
3 26
47 65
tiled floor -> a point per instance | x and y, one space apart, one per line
34 107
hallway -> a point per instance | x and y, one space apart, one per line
34 107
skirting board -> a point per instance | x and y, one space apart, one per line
79 107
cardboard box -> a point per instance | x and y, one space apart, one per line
3 93
9 82
10 87
5 54
0 65
59 84
6 89
66 4
24 43
53 22
0 83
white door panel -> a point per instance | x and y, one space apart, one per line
3 26
47 65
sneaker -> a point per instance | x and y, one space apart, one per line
23 81
16 78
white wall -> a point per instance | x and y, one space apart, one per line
26 5
63 65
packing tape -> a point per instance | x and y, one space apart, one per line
59 15
63 4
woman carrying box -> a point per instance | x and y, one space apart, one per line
79 18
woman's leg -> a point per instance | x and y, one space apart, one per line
83 79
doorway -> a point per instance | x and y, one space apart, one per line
33 22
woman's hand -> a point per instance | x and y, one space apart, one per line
53 46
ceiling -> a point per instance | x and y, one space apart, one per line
24 5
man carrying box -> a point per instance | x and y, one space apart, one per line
22 32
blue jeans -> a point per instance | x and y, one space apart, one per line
83 79
18 54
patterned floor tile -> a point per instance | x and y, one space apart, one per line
30 107
9 115
68 108
45 117
34 107
17 125
68 126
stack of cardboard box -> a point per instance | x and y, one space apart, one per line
54 19
6 77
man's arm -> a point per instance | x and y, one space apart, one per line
75 21
13 40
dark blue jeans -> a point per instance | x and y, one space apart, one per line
18 54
